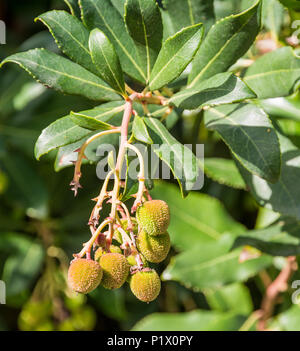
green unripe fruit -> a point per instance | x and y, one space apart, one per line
124 222
154 248
132 260
115 270
145 285
84 275
101 251
154 217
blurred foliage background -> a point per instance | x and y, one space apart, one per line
42 224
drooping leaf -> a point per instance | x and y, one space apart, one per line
144 24
223 88
283 196
212 265
103 15
225 299
62 74
274 74
140 131
106 60
249 134
282 238
198 320
74 7
87 122
64 131
179 158
184 13
176 53
71 36
223 171
200 217
228 40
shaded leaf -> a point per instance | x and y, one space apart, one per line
223 88
103 15
106 60
274 74
144 24
140 131
249 134
74 7
176 53
228 40
62 74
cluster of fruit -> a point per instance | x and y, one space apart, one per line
112 268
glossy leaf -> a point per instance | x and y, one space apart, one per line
140 131
144 24
87 122
228 40
184 13
74 7
223 171
274 74
103 15
178 157
198 320
197 225
284 107
249 134
223 88
283 196
280 239
176 53
106 60
71 36
212 265
62 74
64 131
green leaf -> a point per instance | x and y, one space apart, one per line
198 320
283 196
272 15
225 299
103 15
249 134
223 88
62 74
176 53
88 122
288 320
179 158
223 171
212 265
140 131
291 4
282 238
198 226
74 7
25 187
274 74
285 107
184 13
106 60
144 24
228 40
71 36
64 131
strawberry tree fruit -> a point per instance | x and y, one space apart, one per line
145 285
115 270
154 248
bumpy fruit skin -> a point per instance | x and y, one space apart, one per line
100 251
115 270
145 285
124 222
132 260
154 248
84 275
154 217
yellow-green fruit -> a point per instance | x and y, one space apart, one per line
100 251
115 270
154 217
132 260
84 275
145 285
154 248
124 222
